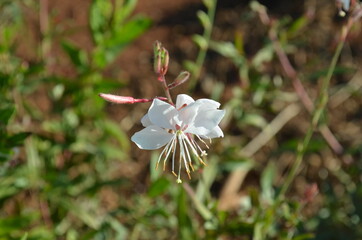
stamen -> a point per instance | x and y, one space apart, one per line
194 151
187 152
197 146
179 169
182 153
192 167
163 151
173 158
202 141
169 151
188 173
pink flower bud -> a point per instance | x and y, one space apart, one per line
117 99
125 99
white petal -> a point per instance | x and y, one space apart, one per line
186 115
146 121
152 137
183 99
214 133
208 103
205 121
162 114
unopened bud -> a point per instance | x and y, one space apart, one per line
125 99
156 54
117 99
181 78
161 57
164 61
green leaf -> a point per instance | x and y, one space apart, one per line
11 224
200 41
184 221
258 231
126 33
227 49
204 19
113 129
209 3
267 180
263 55
190 66
297 26
25 236
76 55
305 236
158 187
6 113
123 10
99 18
254 120
120 37
17 139
4 80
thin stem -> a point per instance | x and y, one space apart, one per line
44 29
300 90
162 79
203 50
322 102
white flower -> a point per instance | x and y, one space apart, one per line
174 126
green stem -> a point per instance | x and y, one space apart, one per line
203 50
322 102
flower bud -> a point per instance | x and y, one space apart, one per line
117 99
125 99
165 58
157 57
161 57
181 78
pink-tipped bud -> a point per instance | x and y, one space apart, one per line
126 100
181 78
162 58
117 99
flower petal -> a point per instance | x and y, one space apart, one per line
186 115
214 133
162 114
146 121
205 121
152 137
208 103
183 99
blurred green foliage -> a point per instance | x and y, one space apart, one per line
72 136
60 152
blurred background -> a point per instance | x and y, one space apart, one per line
68 169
